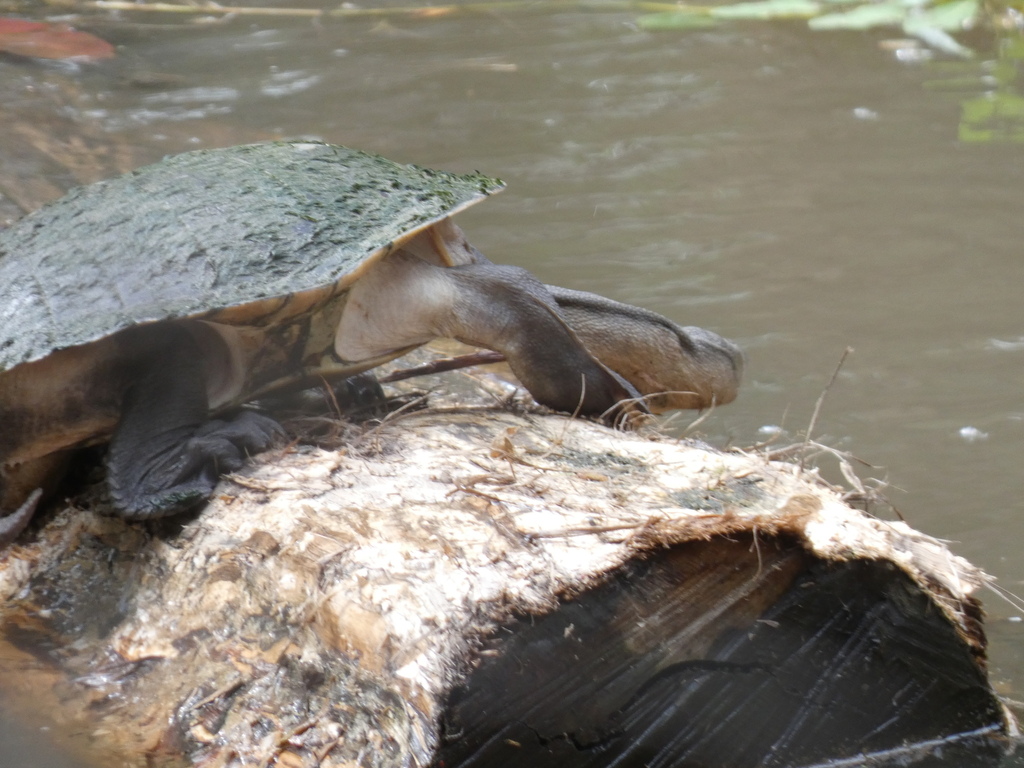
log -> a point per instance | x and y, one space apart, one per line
480 587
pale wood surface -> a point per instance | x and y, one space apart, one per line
325 604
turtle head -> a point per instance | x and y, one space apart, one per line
670 365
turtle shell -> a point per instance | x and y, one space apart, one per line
206 231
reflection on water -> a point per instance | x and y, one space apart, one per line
25 747
797 191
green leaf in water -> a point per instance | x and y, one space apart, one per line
999 117
767 9
949 16
675 20
935 37
864 17
1012 48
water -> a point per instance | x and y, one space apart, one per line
799 192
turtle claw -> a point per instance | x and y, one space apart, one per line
13 524
626 415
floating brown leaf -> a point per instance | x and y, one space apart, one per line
50 41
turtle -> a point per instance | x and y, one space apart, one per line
145 310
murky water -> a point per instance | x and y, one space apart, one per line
799 192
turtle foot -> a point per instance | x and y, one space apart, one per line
184 476
230 441
357 398
361 397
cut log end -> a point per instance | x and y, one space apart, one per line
731 652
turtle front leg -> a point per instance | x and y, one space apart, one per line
404 301
166 455
507 309
673 366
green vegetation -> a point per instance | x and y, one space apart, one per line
930 22
997 115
